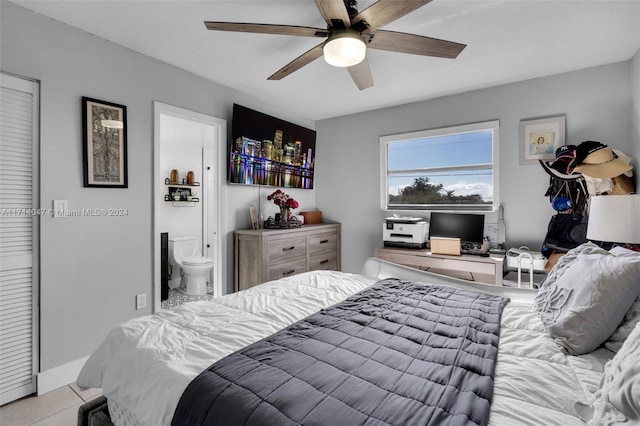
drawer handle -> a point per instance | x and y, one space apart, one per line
324 241
288 272
288 248
322 262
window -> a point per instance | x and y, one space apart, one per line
453 168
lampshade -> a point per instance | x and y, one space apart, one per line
112 124
344 48
615 219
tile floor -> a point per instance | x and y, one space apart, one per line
56 408
178 297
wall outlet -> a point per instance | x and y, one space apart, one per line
141 301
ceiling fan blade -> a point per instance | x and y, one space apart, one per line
361 74
334 11
266 29
302 60
415 44
384 12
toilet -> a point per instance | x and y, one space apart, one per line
185 256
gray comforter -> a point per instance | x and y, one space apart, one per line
397 353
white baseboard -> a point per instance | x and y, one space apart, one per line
59 376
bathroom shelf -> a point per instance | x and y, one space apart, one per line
193 200
182 191
182 185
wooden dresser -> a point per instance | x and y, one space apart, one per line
267 254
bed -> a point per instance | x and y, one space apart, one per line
146 365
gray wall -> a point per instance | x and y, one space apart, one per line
597 103
92 267
635 139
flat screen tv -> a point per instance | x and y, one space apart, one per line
468 227
268 151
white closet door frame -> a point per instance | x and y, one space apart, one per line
18 257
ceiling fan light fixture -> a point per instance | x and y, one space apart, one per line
344 48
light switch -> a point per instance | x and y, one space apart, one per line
60 207
141 301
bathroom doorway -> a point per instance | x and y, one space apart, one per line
188 141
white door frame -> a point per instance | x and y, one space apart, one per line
19 261
215 221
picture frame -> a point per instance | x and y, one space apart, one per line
539 138
253 212
104 147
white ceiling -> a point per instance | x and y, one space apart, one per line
507 41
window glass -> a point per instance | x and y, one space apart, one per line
452 168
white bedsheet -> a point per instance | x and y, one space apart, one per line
144 365
536 384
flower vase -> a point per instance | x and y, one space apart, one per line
284 218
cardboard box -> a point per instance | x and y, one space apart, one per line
441 245
311 218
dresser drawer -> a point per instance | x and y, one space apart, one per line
281 249
326 261
460 265
325 241
287 269
401 259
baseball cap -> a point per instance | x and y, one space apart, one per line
561 167
596 159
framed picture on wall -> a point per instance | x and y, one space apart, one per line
540 138
253 212
104 149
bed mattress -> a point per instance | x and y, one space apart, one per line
144 365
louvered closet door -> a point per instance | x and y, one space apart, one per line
18 237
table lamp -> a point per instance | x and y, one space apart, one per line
614 219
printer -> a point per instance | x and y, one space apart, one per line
405 232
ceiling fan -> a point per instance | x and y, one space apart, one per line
349 33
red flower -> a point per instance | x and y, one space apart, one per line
282 200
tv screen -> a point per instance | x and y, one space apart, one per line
468 227
268 151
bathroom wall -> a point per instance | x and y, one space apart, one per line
181 148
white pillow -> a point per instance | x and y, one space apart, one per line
632 317
618 399
586 296
615 341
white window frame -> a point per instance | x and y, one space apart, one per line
493 125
